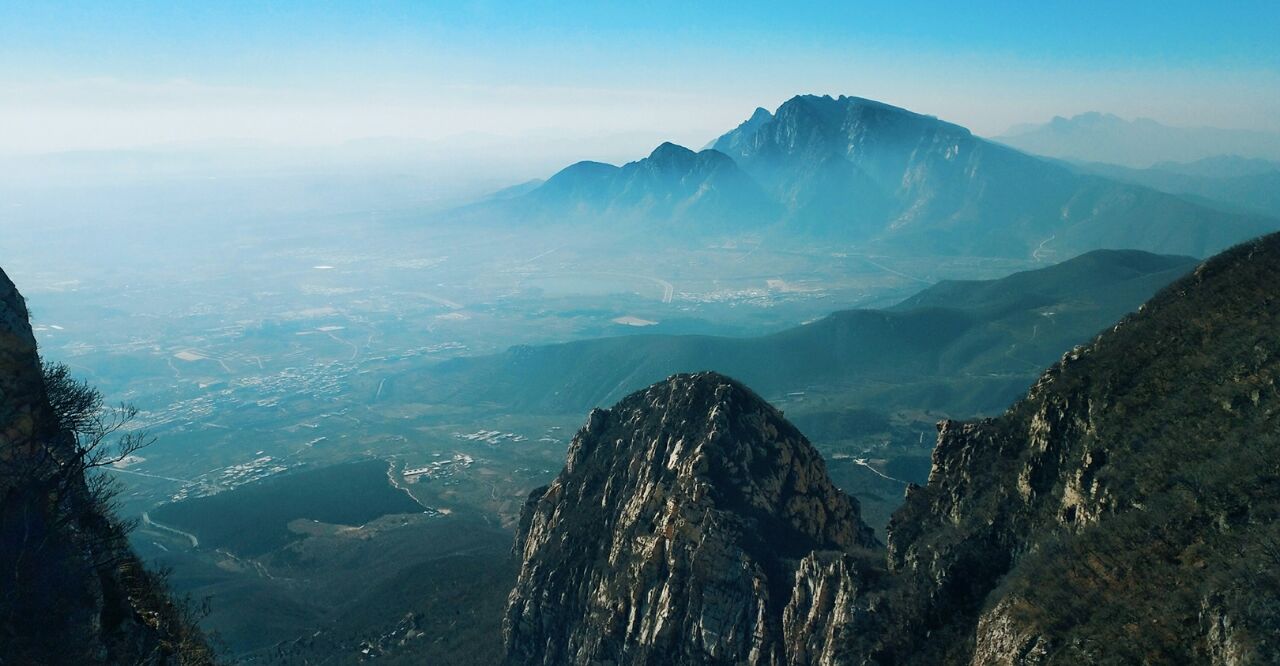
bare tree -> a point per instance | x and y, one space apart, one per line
54 490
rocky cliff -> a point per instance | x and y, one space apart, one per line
677 532
71 591
1125 511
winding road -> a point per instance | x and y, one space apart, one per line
146 520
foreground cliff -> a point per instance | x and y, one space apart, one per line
71 591
1125 511
675 534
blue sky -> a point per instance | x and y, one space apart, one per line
108 74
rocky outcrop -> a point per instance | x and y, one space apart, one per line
71 590
831 615
676 534
1122 511
1126 511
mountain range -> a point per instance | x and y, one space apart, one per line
673 184
1138 143
852 170
1123 511
1226 182
960 346
1120 507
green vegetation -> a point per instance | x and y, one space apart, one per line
1228 182
415 589
1191 434
254 519
960 347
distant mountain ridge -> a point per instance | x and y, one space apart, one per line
998 332
673 184
852 170
1232 183
1138 143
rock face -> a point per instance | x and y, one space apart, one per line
71 591
1126 511
676 534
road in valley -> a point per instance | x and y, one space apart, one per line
146 520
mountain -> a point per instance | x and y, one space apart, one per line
858 170
1124 511
516 190
732 142
675 534
839 164
1220 166
673 187
849 170
73 591
962 347
1226 182
1139 143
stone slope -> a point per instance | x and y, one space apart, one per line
675 532
1125 510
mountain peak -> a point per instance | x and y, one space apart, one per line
813 125
858 170
720 434
670 154
701 498
1088 118
689 193
843 106
743 132
668 148
760 115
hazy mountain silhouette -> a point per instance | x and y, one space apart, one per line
1103 137
851 170
1227 182
673 186
997 333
